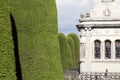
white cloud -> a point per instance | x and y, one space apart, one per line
66 2
80 3
96 1
68 13
84 3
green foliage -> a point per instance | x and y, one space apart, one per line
72 48
34 13
36 23
77 47
63 51
70 62
66 54
7 60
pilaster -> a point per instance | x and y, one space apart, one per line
103 50
113 50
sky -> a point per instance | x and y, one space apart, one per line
69 13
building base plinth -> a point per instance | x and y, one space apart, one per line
100 76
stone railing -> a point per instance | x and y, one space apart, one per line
99 76
74 75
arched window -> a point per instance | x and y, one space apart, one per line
107 49
117 48
97 49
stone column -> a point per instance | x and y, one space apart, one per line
103 50
113 50
93 51
88 49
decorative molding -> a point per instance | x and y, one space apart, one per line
107 12
116 31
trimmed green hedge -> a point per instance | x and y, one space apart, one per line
7 60
66 54
36 23
36 15
72 47
70 57
77 47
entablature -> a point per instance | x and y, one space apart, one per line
96 25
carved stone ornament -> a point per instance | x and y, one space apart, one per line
116 31
107 12
107 31
107 0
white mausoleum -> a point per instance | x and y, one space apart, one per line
100 38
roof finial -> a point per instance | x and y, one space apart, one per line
107 0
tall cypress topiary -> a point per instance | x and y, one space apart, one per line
70 62
72 47
66 54
77 47
7 60
38 44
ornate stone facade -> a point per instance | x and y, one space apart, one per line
100 38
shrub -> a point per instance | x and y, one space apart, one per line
7 60
72 47
36 23
77 47
66 55
70 58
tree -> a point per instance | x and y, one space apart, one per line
66 54
77 47
72 47
7 59
38 44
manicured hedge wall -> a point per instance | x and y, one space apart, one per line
72 47
70 57
36 23
77 46
66 54
7 60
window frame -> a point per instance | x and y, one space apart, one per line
108 50
98 47
118 48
